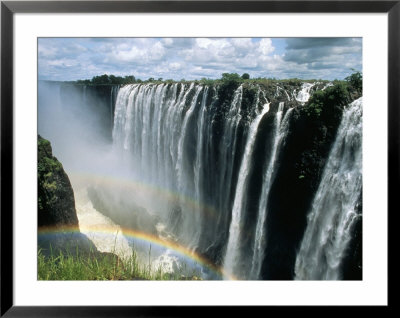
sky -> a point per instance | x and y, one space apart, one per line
66 59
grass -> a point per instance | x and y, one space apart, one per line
102 266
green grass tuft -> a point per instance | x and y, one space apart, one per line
102 266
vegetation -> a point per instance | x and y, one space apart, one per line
102 266
325 102
355 81
55 195
319 120
46 163
226 80
107 80
227 86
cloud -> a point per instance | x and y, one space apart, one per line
265 46
306 43
193 58
175 66
135 51
325 53
47 52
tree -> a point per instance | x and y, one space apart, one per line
113 79
355 81
129 79
329 103
231 77
229 83
84 82
230 80
102 79
245 76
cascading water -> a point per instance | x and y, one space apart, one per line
181 138
304 94
223 173
228 148
113 97
334 210
232 251
198 165
326 86
169 131
281 129
185 186
153 125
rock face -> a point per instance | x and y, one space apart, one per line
56 209
301 165
56 203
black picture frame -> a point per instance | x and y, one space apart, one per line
8 8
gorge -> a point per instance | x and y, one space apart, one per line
248 180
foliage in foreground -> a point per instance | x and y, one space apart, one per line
101 266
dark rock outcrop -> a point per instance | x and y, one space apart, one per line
58 224
56 203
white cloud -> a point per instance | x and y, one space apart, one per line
193 58
136 52
62 62
167 41
175 66
265 46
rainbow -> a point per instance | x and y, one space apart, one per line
134 234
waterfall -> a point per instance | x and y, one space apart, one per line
334 208
280 132
120 117
113 95
228 148
203 151
198 166
233 251
326 86
153 127
304 95
191 224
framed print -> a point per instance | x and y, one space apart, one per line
161 155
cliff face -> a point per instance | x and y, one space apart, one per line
56 203
56 209
299 171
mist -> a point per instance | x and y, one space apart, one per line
109 191
74 125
